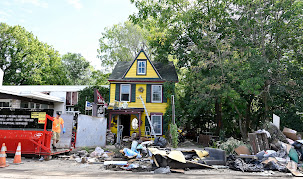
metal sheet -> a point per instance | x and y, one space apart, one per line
65 139
91 131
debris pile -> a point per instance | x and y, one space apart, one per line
270 149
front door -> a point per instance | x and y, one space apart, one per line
125 121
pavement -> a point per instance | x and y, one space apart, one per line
60 168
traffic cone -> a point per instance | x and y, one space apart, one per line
3 156
17 159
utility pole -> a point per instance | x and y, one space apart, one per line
173 109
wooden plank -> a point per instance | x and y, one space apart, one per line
252 139
207 166
265 141
177 171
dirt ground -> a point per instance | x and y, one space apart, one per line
60 168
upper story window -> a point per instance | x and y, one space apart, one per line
157 93
125 92
71 98
141 70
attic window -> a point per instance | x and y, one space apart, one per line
141 70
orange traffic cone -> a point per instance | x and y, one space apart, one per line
3 156
17 159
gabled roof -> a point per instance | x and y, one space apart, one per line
142 51
166 70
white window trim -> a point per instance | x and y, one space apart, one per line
161 117
152 94
121 92
141 67
9 101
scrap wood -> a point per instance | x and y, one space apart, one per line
292 167
177 155
64 156
155 160
132 160
204 165
247 156
177 171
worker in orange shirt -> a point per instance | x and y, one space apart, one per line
57 129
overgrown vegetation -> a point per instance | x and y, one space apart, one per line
87 94
174 135
238 61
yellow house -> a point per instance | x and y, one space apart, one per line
130 80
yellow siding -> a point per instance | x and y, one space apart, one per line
112 93
150 72
151 107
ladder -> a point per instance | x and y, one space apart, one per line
146 113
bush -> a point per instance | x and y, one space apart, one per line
230 145
174 135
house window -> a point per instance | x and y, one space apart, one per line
141 68
5 104
157 93
157 124
24 104
71 98
125 92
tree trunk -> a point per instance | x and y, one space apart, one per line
218 116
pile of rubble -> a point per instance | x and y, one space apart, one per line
151 156
268 150
271 149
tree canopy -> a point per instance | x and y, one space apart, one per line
242 57
122 42
25 60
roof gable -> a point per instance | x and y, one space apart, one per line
151 71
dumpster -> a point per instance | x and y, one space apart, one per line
32 128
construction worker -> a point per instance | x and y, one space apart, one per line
57 129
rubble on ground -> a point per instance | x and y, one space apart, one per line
267 151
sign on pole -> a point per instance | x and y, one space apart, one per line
88 105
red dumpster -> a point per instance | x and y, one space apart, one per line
31 128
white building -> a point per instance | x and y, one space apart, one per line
56 97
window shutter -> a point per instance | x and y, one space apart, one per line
117 94
133 93
146 122
148 93
164 99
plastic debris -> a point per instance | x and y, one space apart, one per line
162 170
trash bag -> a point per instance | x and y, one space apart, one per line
134 146
130 153
293 155
160 141
162 170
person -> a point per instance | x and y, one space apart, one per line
57 123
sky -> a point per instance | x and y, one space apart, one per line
68 25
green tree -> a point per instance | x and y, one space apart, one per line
239 61
76 68
87 94
121 42
25 60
